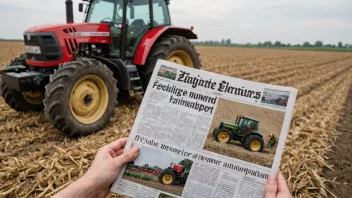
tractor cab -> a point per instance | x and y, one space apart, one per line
129 21
178 168
246 124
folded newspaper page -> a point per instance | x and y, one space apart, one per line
203 134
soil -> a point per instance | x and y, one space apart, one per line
270 121
172 189
341 155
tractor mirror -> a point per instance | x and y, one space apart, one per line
132 12
80 7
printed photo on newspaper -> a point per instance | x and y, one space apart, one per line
203 134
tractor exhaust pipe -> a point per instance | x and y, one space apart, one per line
69 11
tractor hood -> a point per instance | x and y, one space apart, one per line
51 45
228 125
75 29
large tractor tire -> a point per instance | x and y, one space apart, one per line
81 97
184 178
254 143
215 130
173 48
22 101
167 177
223 136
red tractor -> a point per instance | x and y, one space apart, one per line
174 174
77 72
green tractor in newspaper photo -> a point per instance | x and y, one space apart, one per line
245 130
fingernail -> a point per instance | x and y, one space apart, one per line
271 180
135 149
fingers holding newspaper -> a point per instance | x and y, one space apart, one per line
106 166
153 168
276 187
110 158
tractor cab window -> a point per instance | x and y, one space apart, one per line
160 13
101 11
138 19
250 123
247 125
105 11
239 122
255 125
138 12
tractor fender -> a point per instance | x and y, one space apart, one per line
148 40
251 133
119 69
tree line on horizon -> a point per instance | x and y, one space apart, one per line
317 44
228 42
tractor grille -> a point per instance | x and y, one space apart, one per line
33 41
69 30
71 45
48 43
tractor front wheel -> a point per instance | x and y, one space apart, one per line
167 177
81 97
172 48
254 143
22 101
215 130
223 136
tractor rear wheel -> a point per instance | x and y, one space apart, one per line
173 48
223 135
22 101
167 177
81 97
185 177
254 143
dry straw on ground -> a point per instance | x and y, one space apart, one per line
38 161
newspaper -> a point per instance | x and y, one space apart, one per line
203 134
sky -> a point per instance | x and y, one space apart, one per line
243 21
154 157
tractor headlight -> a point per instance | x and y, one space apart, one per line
32 49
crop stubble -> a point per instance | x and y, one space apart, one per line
37 160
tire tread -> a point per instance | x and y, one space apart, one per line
54 102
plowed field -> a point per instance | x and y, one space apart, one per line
36 160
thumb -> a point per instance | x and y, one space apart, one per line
270 187
128 156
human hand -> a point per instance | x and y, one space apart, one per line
102 173
276 187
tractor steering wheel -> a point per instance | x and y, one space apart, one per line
118 19
155 24
105 20
111 22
